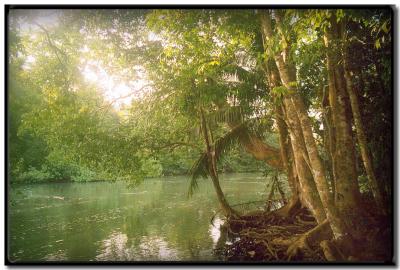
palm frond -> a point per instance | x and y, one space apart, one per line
239 72
199 169
239 134
232 114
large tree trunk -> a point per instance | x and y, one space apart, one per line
284 144
362 140
308 189
310 198
284 147
347 191
295 105
328 138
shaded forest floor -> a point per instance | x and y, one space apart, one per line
264 236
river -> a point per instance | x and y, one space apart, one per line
102 221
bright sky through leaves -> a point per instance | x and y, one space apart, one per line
119 93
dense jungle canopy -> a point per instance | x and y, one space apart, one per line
130 94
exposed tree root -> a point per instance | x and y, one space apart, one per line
311 238
267 237
291 209
331 251
272 236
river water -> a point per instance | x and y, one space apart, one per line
103 221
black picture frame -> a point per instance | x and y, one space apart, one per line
394 79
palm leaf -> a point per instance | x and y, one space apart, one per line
199 169
232 114
239 134
239 72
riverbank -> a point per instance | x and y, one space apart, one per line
263 236
266 236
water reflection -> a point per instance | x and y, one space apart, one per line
219 234
155 248
215 230
117 247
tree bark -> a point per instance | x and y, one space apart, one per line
284 147
309 191
274 81
362 139
329 139
295 104
310 198
347 191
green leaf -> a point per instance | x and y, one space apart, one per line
377 44
280 90
385 28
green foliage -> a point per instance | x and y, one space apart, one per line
280 91
84 175
61 126
60 172
32 175
152 167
